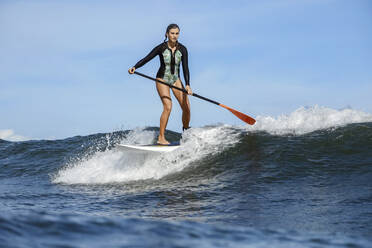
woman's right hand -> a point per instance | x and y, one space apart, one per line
131 70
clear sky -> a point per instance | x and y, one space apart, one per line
63 64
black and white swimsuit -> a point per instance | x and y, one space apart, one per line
169 69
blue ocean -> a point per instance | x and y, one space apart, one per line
297 180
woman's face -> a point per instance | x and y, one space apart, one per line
173 34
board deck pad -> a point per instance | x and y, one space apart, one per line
152 148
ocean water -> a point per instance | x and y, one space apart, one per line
297 180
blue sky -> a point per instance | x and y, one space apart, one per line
63 64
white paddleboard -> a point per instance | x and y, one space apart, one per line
149 148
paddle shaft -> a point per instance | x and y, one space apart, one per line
243 117
177 88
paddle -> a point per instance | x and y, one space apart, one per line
241 116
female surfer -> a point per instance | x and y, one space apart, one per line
171 54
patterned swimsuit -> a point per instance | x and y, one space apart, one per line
169 69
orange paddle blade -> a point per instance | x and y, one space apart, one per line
241 116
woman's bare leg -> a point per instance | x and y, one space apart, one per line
184 102
165 98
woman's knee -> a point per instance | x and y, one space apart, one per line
167 107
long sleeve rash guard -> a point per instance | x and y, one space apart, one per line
169 62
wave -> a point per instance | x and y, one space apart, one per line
8 134
63 230
315 136
115 165
319 133
309 119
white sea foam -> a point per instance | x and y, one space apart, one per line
115 165
309 119
8 134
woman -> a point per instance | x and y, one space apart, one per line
171 53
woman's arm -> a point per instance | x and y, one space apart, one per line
149 57
185 69
185 66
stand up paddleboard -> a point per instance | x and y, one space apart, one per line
150 148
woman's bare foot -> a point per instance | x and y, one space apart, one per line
162 141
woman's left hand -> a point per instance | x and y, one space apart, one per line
189 91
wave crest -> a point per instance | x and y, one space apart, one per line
309 119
